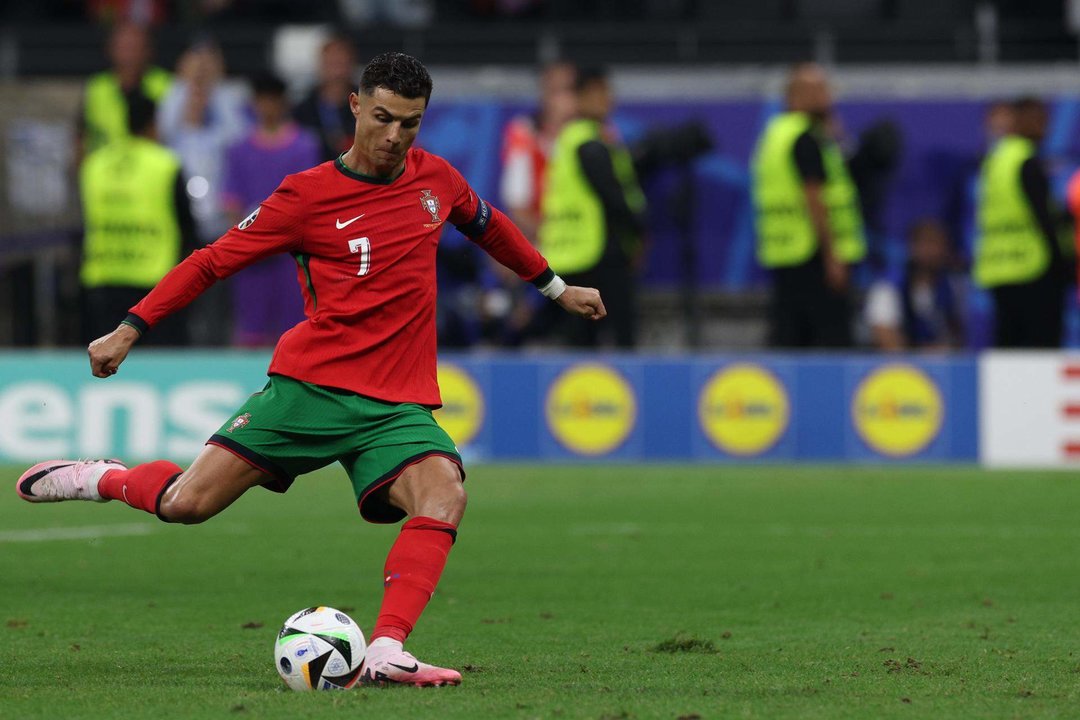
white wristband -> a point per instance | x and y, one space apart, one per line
555 288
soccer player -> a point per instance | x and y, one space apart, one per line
356 381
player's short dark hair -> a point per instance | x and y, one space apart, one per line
142 113
399 73
267 83
587 75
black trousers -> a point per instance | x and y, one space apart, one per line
105 307
1030 315
804 312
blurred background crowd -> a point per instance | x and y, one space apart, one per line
886 174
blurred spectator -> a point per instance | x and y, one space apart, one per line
200 118
998 121
593 212
325 111
138 226
266 300
143 12
507 306
108 94
918 308
809 226
1072 199
527 142
1017 256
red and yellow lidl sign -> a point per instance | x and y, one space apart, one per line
897 410
743 409
590 409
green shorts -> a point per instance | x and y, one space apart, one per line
292 427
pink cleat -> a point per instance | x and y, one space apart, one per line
57 480
387 664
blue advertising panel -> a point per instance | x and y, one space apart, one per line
559 408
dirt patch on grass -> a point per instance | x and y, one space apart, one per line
685 644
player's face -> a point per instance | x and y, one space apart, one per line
386 126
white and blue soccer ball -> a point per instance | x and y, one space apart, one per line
319 648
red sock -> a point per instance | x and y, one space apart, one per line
412 571
142 486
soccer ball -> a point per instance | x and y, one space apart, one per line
319 648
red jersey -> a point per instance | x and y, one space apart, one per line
365 253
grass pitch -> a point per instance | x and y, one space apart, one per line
574 592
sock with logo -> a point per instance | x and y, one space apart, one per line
142 486
412 571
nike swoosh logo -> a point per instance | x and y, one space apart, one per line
28 483
414 668
347 223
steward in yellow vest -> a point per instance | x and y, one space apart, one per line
785 230
807 216
1017 255
105 104
137 221
591 229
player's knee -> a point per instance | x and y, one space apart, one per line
445 502
184 508
456 497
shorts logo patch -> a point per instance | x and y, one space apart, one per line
239 422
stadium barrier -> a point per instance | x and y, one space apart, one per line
628 408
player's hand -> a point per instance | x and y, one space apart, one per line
107 352
583 302
836 274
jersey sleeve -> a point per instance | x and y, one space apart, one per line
495 233
274 227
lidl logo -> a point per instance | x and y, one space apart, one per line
743 409
591 409
462 413
897 410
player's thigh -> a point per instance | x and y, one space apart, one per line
406 443
289 428
212 483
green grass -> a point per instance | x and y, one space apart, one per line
578 592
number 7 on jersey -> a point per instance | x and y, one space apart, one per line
362 246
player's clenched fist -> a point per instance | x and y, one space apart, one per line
107 352
582 301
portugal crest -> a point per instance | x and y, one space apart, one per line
239 422
431 204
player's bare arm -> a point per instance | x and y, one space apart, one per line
107 352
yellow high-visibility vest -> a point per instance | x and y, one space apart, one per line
132 234
105 111
1010 247
785 231
573 229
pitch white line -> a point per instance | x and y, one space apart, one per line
87 532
